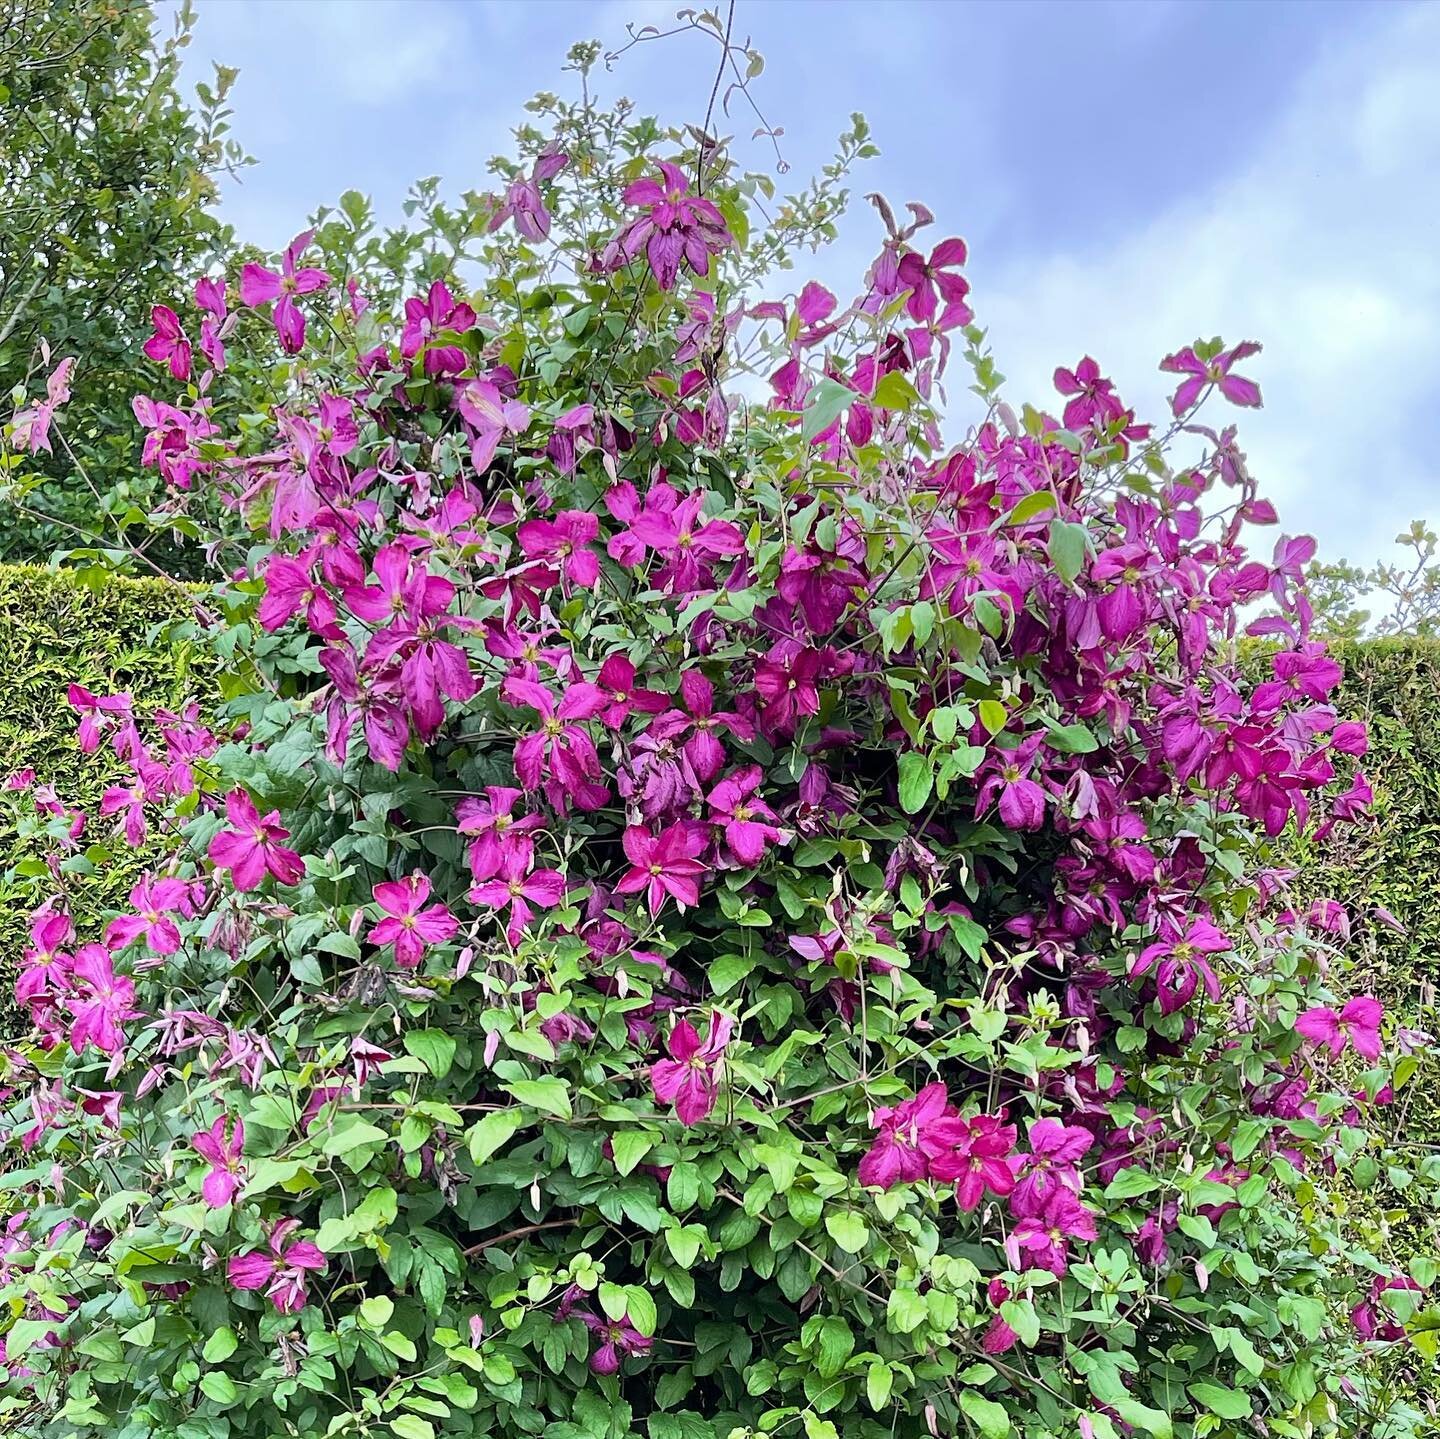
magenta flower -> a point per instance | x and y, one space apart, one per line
1372 1319
748 823
210 297
154 901
621 1339
1040 1240
1055 1154
911 1134
688 546
523 201
490 417
99 1001
32 425
251 847
280 1272
519 885
410 924
168 343
787 682
976 1155
561 753
1358 1023
935 280
702 748
1181 965
617 679
259 286
1199 373
221 1151
665 864
424 319
498 829
46 962
1093 402
677 228
1021 799
291 587
565 539
690 1078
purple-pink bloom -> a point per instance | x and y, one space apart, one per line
1358 1022
976 1154
281 1271
1181 965
425 319
689 1079
153 902
747 822
168 343
410 924
1199 373
677 228
220 1147
99 1000
1053 1163
520 885
664 864
1040 1240
912 1133
621 1339
251 847
258 286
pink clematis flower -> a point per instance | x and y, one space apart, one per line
496 827
665 864
1373 1319
1358 1023
748 823
154 901
220 1147
617 679
168 343
1040 1240
1181 964
99 1000
410 924
976 1155
911 1134
259 286
1199 373
424 319
46 962
690 1078
32 425
520 885
934 280
490 417
280 1272
677 228
251 847
566 539
621 1339
560 754
1053 1163
523 201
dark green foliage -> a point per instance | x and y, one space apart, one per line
107 634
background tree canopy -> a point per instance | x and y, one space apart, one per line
106 196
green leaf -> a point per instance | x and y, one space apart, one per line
411 1426
1031 507
400 1344
1227 1403
492 1132
729 969
1020 1315
219 1386
990 1418
1069 544
834 1345
905 1311
375 1311
629 1147
848 1229
550 1094
993 715
824 405
1156 1421
916 780
220 1345
1131 1182
879 1379
895 392
353 1135
433 1048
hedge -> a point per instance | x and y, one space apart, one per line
108 634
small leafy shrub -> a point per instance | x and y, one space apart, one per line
705 908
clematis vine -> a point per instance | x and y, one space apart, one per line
411 926
221 1146
259 286
280 1269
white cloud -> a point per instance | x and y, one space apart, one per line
1324 243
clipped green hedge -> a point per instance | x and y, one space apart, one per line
107 633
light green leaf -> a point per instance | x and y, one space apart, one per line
990 1418
916 779
493 1131
879 1379
848 1229
550 1094
1227 1403
433 1048
220 1345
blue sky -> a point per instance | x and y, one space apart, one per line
1129 174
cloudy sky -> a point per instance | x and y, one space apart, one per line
1129 174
